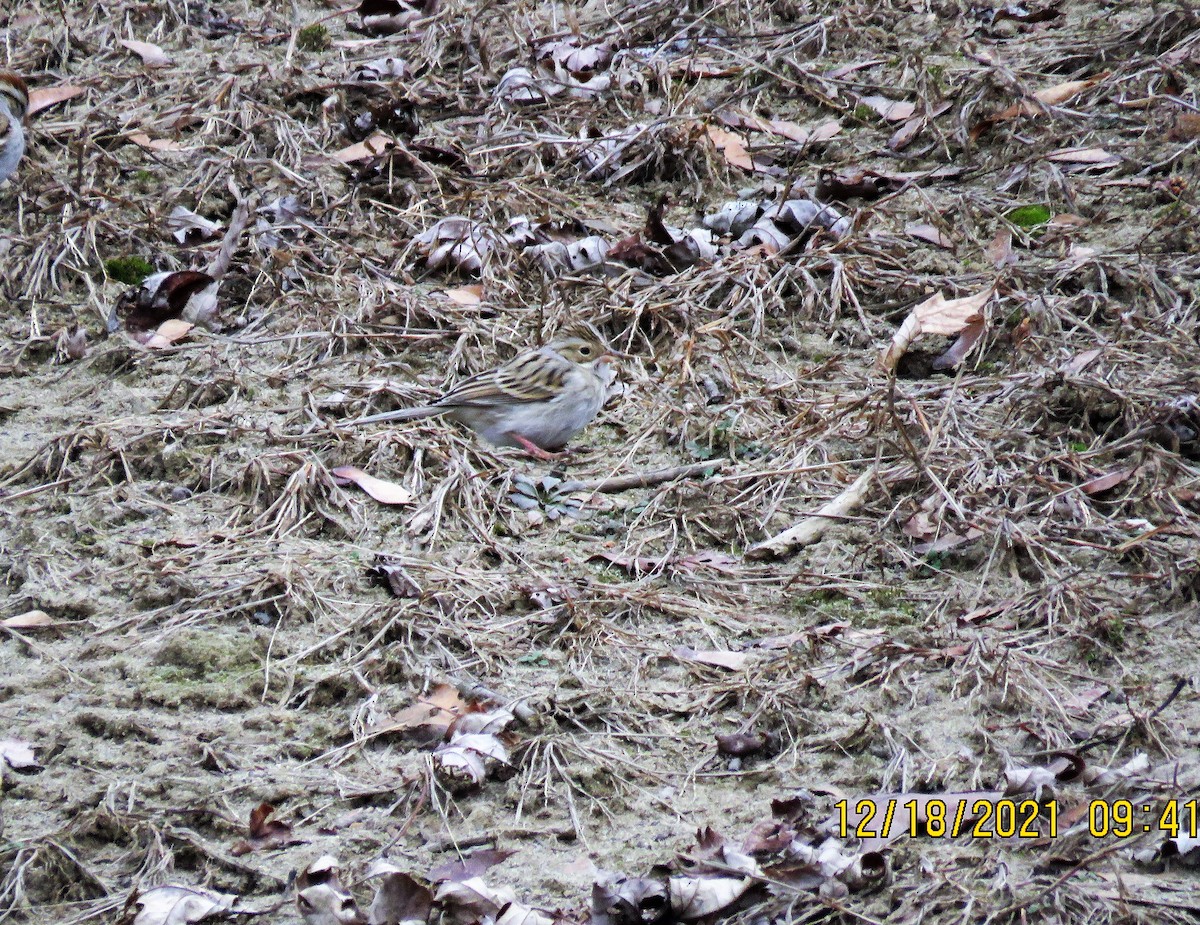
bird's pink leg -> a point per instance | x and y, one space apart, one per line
533 449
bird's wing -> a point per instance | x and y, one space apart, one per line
538 375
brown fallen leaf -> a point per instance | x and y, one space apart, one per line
152 56
175 905
381 490
265 833
734 661
1186 127
31 619
732 147
928 233
1103 483
999 250
45 97
428 719
967 339
936 315
360 151
478 862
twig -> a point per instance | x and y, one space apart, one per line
237 224
811 528
473 690
644 479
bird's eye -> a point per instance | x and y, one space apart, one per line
585 351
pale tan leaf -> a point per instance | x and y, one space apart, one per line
936 315
45 97
382 491
1049 96
31 619
1083 156
142 140
167 333
466 295
151 55
376 144
890 110
732 146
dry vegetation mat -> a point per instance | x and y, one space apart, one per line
871 594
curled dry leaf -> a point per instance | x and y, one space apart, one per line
458 243
382 491
697 897
189 228
45 97
399 898
430 718
936 315
320 897
265 833
620 900
179 905
467 902
152 56
377 144
962 346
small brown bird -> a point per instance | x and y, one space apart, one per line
538 401
14 103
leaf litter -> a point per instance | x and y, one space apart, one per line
771 574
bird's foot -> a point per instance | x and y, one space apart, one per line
534 450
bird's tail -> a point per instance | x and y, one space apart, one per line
400 414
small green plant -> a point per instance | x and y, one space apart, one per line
128 270
864 113
313 38
1028 216
1078 446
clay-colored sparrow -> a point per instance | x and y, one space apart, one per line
14 103
538 401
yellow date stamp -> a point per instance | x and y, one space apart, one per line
978 815
945 817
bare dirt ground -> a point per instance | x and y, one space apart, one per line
1017 582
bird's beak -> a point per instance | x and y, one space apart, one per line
611 354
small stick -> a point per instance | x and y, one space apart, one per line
237 224
473 690
644 479
811 528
